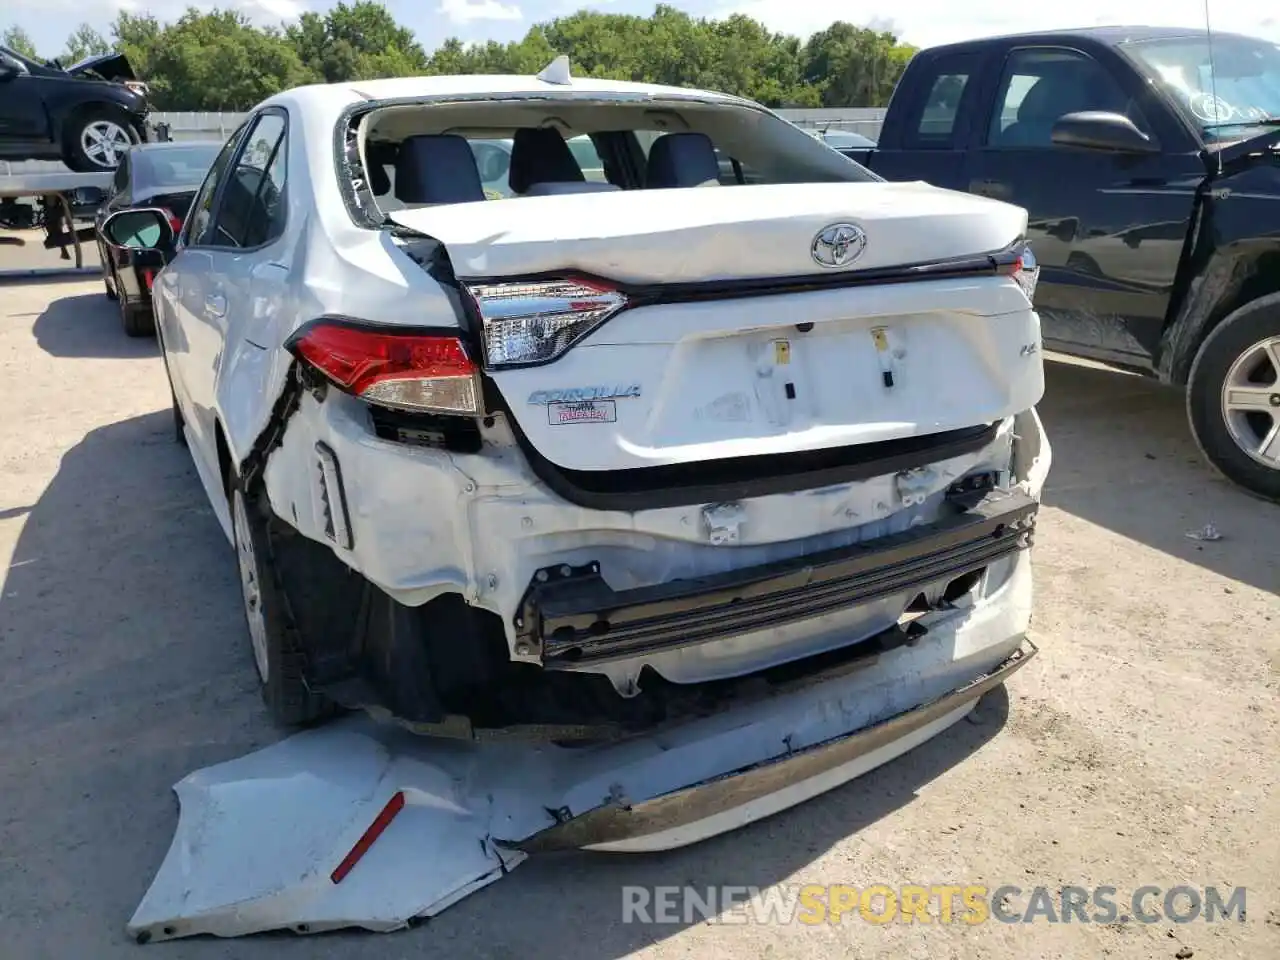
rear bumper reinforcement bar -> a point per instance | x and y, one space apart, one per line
614 823
570 615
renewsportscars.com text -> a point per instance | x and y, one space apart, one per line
936 903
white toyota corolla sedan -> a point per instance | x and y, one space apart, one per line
570 407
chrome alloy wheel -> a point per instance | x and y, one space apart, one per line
104 142
1251 402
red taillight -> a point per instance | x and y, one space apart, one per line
410 371
148 277
175 221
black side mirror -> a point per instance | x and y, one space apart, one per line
144 228
8 70
1099 130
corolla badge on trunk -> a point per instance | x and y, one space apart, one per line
838 245
580 394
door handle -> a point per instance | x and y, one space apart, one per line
988 188
216 304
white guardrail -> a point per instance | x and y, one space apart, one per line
218 126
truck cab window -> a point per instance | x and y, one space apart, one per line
1040 86
930 123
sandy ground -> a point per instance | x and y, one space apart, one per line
1142 747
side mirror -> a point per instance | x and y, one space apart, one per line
1098 130
146 228
9 70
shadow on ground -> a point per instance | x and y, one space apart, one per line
1124 459
128 666
88 325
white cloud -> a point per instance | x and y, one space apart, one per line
930 22
466 11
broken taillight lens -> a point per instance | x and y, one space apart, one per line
1026 272
530 322
405 370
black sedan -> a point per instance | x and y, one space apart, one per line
152 175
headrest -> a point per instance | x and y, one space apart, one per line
540 155
437 168
682 160
584 186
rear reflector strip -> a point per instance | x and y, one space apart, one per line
380 823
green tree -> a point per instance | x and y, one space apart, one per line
85 42
854 66
15 38
359 41
218 61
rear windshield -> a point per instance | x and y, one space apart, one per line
175 166
521 148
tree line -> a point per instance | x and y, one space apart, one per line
219 60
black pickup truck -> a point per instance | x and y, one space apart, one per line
1148 160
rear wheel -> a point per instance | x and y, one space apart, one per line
1233 398
136 319
109 279
276 645
96 139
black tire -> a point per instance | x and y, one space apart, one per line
277 652
73 150
136 319
1248 326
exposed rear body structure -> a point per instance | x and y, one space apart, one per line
591 411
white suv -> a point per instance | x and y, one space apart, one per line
601 453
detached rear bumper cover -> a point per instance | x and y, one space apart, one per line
571 614
260 839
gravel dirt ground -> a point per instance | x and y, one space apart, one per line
1141 747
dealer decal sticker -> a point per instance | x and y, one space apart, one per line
582 411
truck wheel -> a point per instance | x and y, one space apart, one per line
1233 397
275 643
95 140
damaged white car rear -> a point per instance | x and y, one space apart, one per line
700 473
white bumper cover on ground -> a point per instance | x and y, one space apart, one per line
264 842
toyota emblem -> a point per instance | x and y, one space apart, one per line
838 245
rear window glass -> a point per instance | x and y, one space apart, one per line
175 166
583 146
938 118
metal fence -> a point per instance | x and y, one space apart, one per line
218 126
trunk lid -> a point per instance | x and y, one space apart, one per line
723 374
712 233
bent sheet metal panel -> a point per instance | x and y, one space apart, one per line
259 837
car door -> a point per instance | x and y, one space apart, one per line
180 295
248 273
22 112
930 131
1107 228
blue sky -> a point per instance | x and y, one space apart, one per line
923 22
